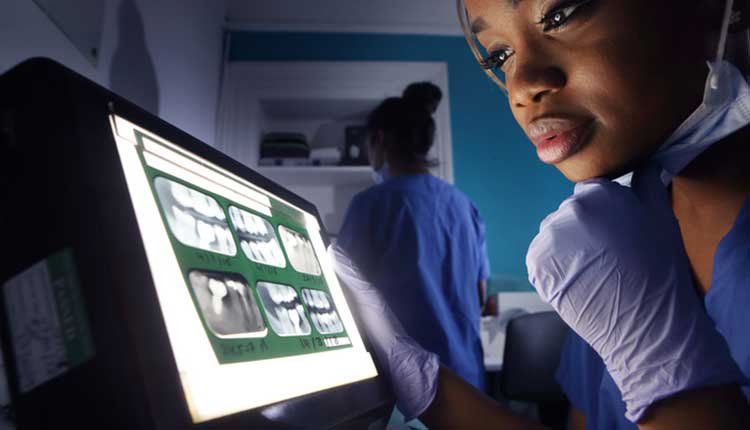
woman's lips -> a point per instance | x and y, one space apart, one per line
558 138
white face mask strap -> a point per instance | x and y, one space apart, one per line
729 7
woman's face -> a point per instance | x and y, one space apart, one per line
597 85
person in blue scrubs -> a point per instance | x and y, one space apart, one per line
420 240
598 86
606 90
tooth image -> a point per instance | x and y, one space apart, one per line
263 227
220 237
259 251
217 288
205 233
210 209
286 319
320 300
181 194
322 324
279 254
229 240
218 213
199 203
306 296
245 248
326 303
295 319
316 321
231 246
255 251
218 291
258 225
276 294
252 224
205 205
248 221
275 251
185 222
236 219
268 253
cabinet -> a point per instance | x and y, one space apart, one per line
319 100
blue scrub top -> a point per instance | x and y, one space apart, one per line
582 373
422 243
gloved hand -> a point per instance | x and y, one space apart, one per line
411 370
611 262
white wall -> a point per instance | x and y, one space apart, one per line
183 40
360 16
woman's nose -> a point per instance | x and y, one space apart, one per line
533 80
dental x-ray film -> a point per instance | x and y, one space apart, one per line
243 280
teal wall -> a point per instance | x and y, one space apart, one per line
494 163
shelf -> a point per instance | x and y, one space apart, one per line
318 175
317 108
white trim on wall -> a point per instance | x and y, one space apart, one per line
428 17
301 27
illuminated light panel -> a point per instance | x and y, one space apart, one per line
201 170
213 390
165 166
126 130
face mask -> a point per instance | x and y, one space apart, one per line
382 174
725 109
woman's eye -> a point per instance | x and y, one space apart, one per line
497 59
560 14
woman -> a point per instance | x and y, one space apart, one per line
599 86
418 238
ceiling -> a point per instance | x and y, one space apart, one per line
360 16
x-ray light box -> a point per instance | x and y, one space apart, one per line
177 283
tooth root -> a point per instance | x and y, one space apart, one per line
236 218
249 222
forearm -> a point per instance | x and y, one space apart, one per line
482 292
459 405
721 408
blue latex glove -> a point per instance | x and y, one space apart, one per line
411 370
610 260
